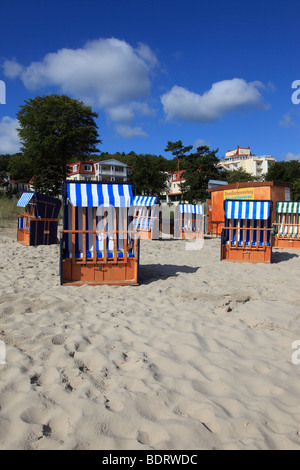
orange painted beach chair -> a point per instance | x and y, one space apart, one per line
146 216
287 225
189 221
247 234
98 242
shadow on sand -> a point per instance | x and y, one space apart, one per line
152 272
279 256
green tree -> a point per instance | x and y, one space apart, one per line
147 175
178 150
4 162
20 168
238 176
200 168
54 130
296 190
284 172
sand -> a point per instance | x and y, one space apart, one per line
199 356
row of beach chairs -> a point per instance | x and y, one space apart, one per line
103 224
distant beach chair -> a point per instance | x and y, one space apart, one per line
146 216
189 221
97 245
287 225
247 235
38 224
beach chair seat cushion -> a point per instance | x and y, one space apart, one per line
100 254
247 243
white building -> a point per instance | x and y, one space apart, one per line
112 170
242 158
106 170
174 181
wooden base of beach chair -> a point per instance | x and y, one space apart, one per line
23 236
244 255
145 235
191 235
286 243
120 274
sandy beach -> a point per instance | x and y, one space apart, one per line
198 356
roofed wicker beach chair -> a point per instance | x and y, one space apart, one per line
247 234
97 243
146 216
38 224
189 221
287 225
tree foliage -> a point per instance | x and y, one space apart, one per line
20 168
55 129
4 162
178 150
200 167
238 176
148 176
286 172
296 190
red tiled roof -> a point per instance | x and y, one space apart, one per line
80 168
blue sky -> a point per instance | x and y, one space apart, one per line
217 73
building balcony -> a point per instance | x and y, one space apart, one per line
112 172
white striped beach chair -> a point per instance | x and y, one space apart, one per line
287 225
146 216
189 221
97 243
247 234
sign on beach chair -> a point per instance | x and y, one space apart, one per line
247 235
287 225
38 224
97 245
189 221
145 216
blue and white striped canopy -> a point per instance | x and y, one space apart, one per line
145 201
99 195
249 210
191 209
24 199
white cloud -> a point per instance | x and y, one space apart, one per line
223 97
12 69
126 113
200 143
129 132
292 156
287 121
9 139
122 113
105 72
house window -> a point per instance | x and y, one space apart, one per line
174 177
75 167
87 167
